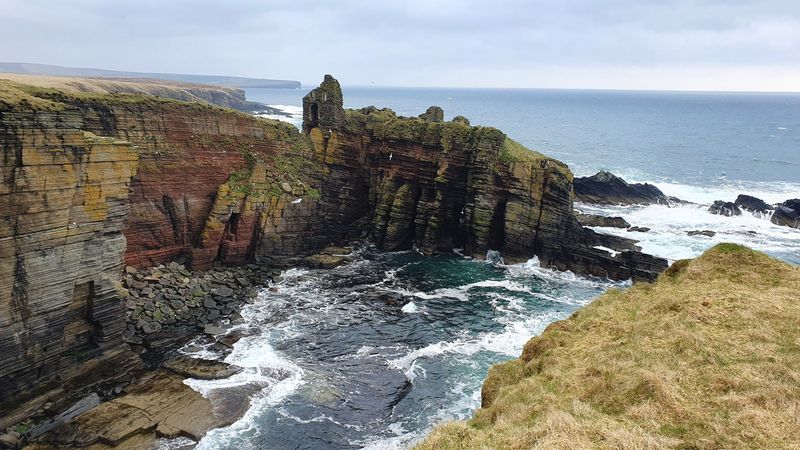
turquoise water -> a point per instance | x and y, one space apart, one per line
375 353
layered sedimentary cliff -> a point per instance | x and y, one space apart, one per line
63 197
174 181
438 185
169 180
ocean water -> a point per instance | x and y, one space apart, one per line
373 354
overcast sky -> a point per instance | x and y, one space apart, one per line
623 44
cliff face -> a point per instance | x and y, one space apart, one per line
63 197
170 181
434 185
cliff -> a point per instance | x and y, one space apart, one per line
197 184
435 186
169 180
705 357
63 197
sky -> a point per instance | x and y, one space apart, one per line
728 45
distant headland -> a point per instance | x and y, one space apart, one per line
61 71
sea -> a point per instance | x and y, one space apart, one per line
329 363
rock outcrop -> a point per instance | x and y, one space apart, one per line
607 188
752 204
723 208
160 405
787 214
594 220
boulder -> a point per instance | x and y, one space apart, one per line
593 220
329 257
639 229
223 291
787 214
336 251
607 188
9 440
727 209
752 204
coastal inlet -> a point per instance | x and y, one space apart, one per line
376 352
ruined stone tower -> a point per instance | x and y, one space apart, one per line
322 107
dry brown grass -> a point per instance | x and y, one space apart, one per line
708 357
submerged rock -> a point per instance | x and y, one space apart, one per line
723 208
708 233
607 188
639 229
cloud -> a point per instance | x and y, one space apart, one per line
416 42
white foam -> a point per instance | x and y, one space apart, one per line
409 308
293 114
516 332
773 192
669 226
173 444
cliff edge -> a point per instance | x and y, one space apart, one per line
704 358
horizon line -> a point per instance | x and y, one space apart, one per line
304 85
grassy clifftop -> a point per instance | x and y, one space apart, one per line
707 357
187 92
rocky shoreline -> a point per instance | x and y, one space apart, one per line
170 299
166 307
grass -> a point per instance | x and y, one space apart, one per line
41 95
513 151
705 358
187 92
